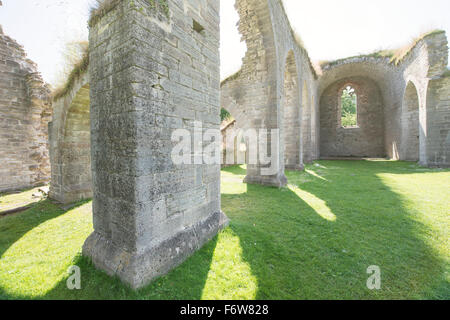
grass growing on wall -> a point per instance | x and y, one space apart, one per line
102 7
231 77
79 64
395 56
401 53
314 239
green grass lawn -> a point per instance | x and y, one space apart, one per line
17 200
314 239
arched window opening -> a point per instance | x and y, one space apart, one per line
349 108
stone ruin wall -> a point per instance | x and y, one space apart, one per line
276 75
261 95
151 73
366 140
437 102
290 51
414 102
438 122
25 110
249 96
70 144
380 76
266 92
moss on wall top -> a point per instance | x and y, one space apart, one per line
232 77
394 57
101 9
78 71
401 53
105 6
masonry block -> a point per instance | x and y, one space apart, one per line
151 214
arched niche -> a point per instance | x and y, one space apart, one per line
410 150
306 124
291 125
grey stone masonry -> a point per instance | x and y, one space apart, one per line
365 140
152 71
267 92
438 122
70 144
25 110
412 95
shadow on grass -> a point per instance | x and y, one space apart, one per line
14 227
183 283
297 254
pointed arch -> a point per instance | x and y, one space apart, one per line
70 145
410 150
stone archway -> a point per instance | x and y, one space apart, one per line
70 145
410 149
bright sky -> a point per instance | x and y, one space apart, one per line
330 29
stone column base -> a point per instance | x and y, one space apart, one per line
278 181
139 269
70 197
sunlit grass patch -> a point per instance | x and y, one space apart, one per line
11 201
229 277
42 247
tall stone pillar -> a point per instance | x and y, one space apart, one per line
154 68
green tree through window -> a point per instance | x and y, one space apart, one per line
349 108
224 114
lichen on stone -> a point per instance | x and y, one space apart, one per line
101 9
446 74
105 6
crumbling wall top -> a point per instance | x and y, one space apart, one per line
79 69
435 41
103 7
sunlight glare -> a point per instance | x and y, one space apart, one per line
315 203
230 276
